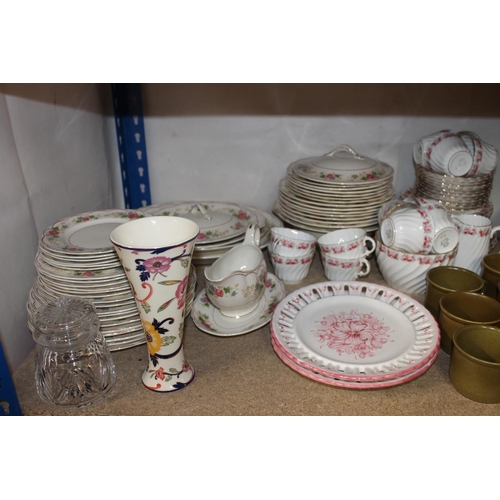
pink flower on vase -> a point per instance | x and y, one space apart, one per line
180 293
218 292
157 265
160 373
185 366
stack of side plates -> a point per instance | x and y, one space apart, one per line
339 190
75 257
354 335
457 194
222 225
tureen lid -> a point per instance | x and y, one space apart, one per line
342 165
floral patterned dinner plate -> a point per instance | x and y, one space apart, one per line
355 329
353 384
208 318
86 233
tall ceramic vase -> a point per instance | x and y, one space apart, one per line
155 253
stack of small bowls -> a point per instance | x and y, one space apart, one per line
345 252
413 238
291 253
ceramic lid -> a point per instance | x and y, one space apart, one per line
342 165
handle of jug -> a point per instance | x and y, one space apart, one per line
252 235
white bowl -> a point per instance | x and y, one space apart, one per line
406 271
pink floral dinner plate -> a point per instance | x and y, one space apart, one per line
355 331
382 384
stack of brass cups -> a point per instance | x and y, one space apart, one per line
467 308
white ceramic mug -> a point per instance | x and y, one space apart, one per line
474 236
347 243
291 242
344 269
235 282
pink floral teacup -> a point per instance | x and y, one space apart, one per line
347 243
291 242
291 269
344 269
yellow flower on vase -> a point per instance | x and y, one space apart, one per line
153 338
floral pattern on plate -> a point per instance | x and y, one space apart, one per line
355 329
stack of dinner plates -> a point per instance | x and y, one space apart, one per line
339 190
222 225
75 257
354 335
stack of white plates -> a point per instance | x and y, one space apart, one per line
222 225
75 257
339 190
354 335
457 194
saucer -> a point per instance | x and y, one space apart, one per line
209 319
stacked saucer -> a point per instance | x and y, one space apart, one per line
457 194
339 190
354 335
222 225
75 257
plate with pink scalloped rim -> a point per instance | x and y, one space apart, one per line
354 331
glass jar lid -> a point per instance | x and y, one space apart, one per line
65 323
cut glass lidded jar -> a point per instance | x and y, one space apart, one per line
73 365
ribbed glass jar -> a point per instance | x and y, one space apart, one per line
73 365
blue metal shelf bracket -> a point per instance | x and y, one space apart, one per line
129 122
9 404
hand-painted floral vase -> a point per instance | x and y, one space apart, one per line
156 253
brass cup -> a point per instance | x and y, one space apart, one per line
475 363
446 279
491 274
457 309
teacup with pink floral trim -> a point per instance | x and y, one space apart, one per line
289 242
349 243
